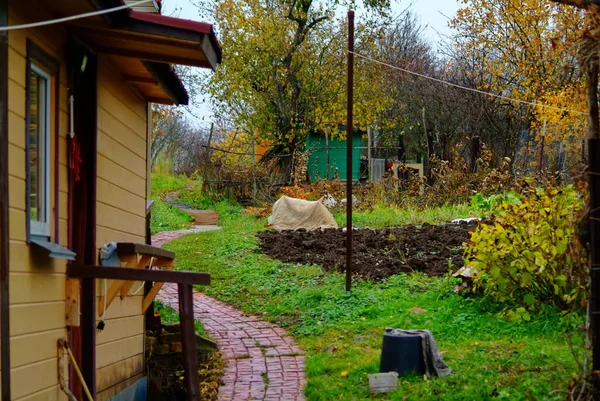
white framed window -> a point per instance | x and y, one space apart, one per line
38 169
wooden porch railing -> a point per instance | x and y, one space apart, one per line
184 281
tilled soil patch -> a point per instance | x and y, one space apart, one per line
377 254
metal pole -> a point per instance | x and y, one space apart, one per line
370 153
254 189
326 155
349 133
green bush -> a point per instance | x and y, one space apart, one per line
530 254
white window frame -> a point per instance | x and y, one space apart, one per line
42 228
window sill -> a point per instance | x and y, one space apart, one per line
54 250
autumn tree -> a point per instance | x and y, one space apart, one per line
177 140
451 114
283 74
525 49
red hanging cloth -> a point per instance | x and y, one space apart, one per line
75 159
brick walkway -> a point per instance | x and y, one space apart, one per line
261 361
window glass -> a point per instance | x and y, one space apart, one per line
39 163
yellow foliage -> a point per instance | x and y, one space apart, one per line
528 51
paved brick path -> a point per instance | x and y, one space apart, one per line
262 361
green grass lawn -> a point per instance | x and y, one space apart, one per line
384 216
342 332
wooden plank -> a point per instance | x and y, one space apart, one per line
119 328
127 98
63 178
124 157
64 100
123 273
107 99
126 307
63 205
25 259
16 193
188 341
149 298
16 64
115 373
16 98
109 353
120 198
149 128
62 141
32 348
36 287
32 378
128 286
50 38
203 217
63 227
121 133
16 225
16 130
72 303
141 248
112 391
38 317
17 39
105 235
116 219
136 261
111 171
5 377
16 161
53 393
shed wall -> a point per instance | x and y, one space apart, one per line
37 282
121 210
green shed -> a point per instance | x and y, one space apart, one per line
317 161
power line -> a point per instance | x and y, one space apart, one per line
467 88
72 17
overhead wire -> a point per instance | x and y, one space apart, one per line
72 17
535 104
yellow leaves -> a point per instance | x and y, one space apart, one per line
529 50
344 374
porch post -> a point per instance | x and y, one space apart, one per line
188 340
4 234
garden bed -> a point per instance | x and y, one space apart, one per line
377 253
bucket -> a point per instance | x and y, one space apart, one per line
402 354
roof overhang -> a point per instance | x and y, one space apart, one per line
144 46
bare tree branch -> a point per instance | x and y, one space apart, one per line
579 3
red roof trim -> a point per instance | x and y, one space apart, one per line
201 27
194 26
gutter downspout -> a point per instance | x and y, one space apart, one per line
4 234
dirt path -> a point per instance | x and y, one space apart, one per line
262 361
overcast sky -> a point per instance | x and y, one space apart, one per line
434 14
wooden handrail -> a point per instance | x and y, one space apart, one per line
126 273
144 249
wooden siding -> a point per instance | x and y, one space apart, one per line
121 208
37 282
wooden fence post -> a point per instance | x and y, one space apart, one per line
188 341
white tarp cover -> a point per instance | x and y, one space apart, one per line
292 214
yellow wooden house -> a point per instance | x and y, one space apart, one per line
75 122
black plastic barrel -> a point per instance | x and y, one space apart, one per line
402 354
